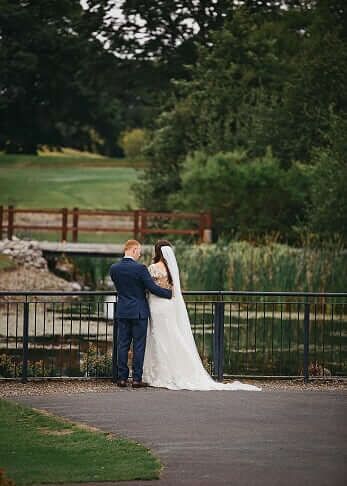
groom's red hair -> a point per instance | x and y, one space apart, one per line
130 244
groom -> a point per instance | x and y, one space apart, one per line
131 280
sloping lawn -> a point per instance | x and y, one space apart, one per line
47 186
38 448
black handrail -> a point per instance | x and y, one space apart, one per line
322 323
184 292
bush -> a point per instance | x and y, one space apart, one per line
133 142
11 367
247 197
95 364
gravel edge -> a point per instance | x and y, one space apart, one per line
12 388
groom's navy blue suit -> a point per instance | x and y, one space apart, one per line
131 280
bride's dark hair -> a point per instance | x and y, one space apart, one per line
158 256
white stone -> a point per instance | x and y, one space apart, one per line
76 286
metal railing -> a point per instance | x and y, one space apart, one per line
238 334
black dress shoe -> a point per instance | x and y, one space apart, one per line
122 383
139 384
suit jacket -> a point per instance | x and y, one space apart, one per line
131 280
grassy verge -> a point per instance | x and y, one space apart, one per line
37 448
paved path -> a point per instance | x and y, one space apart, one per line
223 438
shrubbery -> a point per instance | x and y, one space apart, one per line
133 142
248 197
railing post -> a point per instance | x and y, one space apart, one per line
115 346
1 220
143 225
25 342
75 217
64 215
136 224
218 340
306 341
10 222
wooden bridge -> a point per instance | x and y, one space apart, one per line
50 248
137 224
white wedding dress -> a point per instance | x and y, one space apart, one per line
171 357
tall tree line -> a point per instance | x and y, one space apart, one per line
254 133
244 98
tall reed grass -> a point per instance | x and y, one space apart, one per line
240 265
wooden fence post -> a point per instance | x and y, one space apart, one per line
201 227
136 224
1 220
207 231
64 215
10 222
75 217
143 224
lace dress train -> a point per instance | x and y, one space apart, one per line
171 358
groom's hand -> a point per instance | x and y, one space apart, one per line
150 285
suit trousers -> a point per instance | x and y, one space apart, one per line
134 330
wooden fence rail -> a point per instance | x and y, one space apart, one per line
139 222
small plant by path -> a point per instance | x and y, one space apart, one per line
6 263
37 448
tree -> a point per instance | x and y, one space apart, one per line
327 213
212 106
166 152
53 69
267 78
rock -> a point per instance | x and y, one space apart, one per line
109 283
75 286
25 253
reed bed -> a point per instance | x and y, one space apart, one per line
239 265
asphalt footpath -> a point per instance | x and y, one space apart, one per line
236 438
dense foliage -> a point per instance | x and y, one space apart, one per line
255 133
241 106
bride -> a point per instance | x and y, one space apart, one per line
171 357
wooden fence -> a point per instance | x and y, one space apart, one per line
139 223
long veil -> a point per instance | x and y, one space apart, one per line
182 318
184 329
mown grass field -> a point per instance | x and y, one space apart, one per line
67 180
37 449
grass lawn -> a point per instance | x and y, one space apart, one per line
68 157
55 181
36 448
